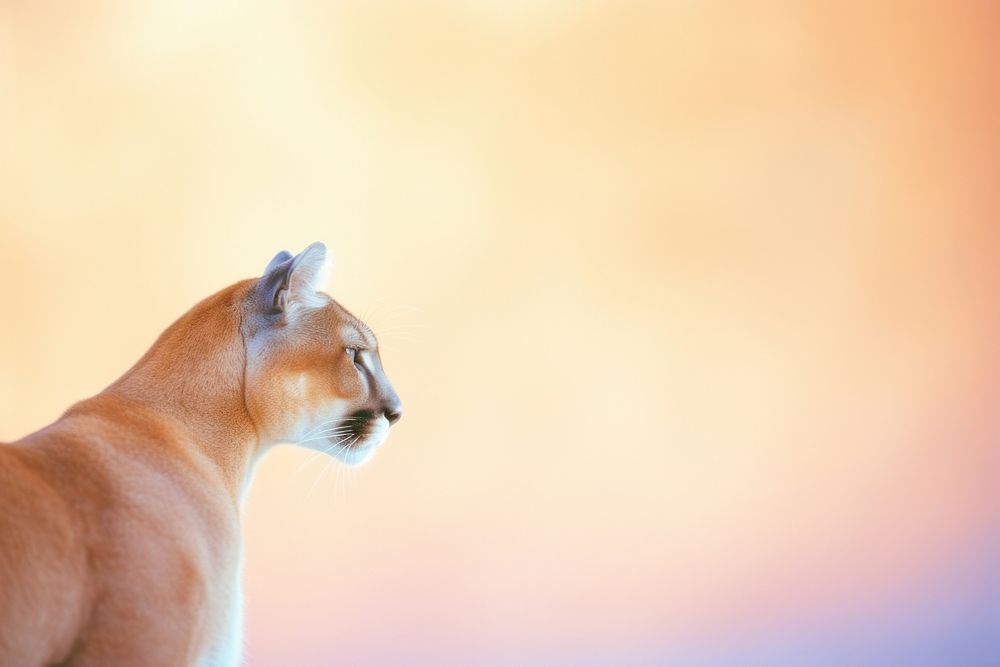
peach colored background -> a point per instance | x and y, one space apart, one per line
693 306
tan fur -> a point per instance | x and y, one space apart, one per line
119 523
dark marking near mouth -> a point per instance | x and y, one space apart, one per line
358 423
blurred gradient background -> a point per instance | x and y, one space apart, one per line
692 306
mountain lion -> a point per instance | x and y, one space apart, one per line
120 523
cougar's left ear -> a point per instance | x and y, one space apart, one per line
289 282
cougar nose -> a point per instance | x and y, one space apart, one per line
393 411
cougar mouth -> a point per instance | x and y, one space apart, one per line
366 431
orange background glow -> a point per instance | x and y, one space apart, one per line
692 307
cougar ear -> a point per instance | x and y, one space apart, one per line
290 281
280 258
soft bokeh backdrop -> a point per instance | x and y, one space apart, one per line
693 308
